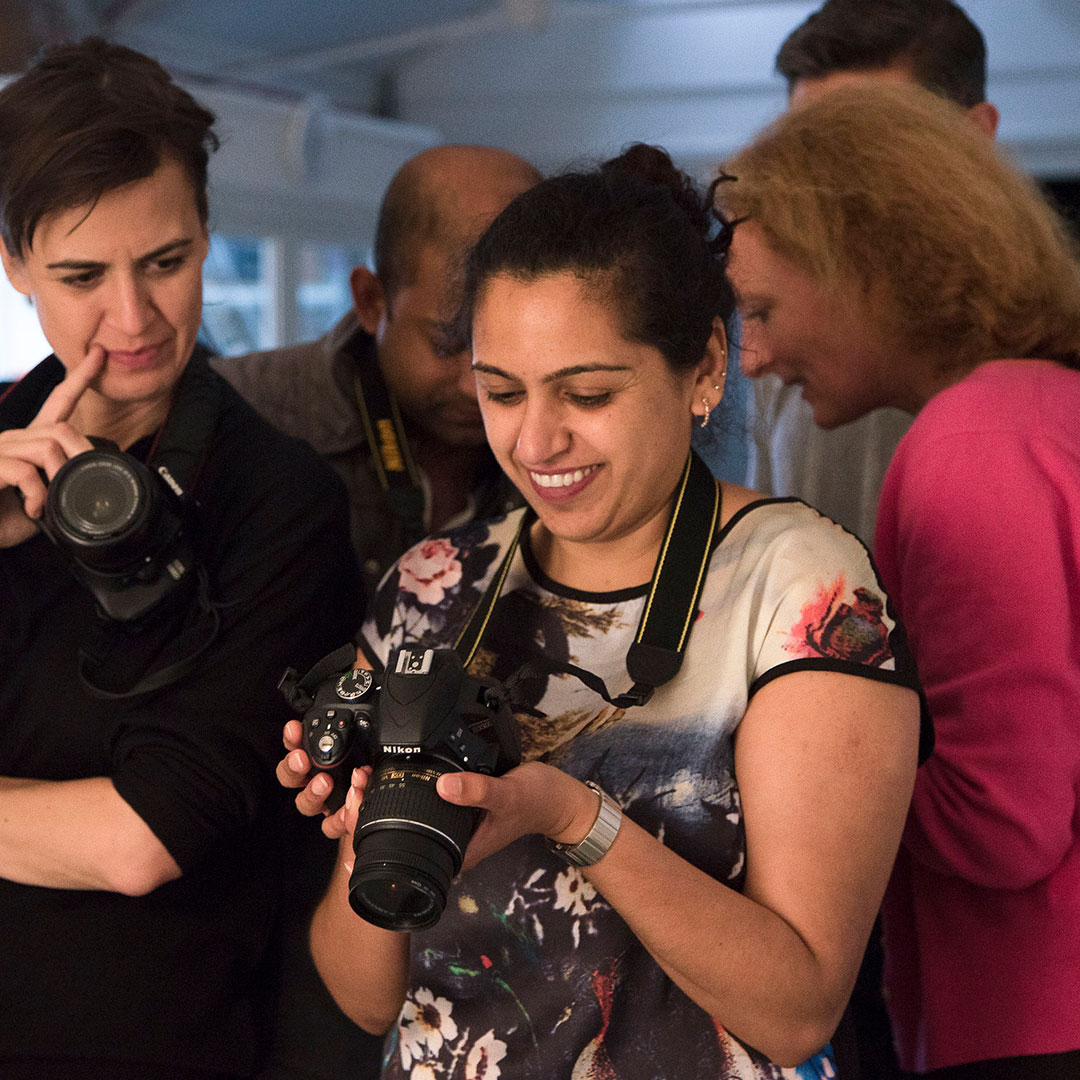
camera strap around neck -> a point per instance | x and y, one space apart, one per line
656 653
391 454
121 661
182 445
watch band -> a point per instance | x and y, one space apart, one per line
594 845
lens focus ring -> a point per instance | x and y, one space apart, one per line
98 498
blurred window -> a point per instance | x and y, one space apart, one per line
238 295
322 293
24 343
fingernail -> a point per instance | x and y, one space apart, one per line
321 784
352 800
450 784
296 761
357 775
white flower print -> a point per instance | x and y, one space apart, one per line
425 1024
483 1060
573 894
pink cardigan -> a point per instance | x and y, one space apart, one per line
978 542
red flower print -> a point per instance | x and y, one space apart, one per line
833 627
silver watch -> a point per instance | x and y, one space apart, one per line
594 846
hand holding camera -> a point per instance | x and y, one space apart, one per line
121 525
43 446
424 719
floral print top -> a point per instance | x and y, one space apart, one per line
530 974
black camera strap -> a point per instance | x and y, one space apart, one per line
117 661
22 400
300 693
113 656
180 449
391 454
656 653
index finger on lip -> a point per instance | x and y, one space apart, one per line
60 404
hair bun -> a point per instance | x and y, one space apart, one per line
643 163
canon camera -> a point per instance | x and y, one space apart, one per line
424 717
122 528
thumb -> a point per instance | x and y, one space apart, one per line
465 789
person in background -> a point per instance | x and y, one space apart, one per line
888 256
380 392
383 385
140 867
678 884
929 42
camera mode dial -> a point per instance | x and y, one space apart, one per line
354 684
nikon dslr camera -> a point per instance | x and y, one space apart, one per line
424 717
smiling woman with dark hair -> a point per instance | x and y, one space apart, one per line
678 882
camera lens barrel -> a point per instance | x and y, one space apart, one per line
103 509
409 844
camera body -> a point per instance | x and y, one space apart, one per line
426 716
338 727
122 527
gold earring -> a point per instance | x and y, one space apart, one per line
708 410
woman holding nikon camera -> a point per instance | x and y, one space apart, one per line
627 908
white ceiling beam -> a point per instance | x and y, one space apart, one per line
366 49
505 15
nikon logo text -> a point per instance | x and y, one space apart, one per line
394 748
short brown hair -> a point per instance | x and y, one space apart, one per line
87 118
887 194
934 39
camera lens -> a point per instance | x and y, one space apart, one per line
409 843
102 509
99 498
401 879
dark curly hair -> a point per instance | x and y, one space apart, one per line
636 231
87 118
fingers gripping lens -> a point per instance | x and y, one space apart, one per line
428 717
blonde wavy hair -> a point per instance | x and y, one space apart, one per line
889 196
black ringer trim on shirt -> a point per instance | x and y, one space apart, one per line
744 510
847 667
828 663
540 578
